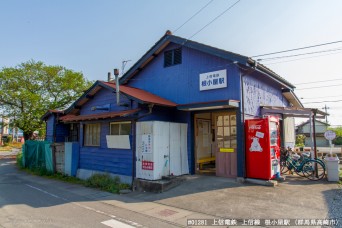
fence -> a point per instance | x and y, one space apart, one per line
37 154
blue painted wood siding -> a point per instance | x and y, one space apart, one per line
50 124
101 158
260 90
180 83
105 97
62 131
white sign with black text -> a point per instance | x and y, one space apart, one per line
213 80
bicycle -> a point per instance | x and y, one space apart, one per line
312 169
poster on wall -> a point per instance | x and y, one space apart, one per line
213 80
146 143
147 165
233 120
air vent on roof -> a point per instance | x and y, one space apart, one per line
172 57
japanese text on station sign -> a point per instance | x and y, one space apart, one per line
213 80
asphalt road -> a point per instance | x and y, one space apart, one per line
29 201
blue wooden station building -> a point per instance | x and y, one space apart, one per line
209 91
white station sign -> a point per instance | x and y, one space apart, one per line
330 135
213 80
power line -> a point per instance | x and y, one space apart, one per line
321 97
337 79
193 16
290 56
296 49
316 102
316 87
214 19
304 58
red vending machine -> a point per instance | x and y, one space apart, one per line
262 148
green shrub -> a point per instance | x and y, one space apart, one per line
20 160
106 182
9 139
101 181
42 171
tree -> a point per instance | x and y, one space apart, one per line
28 90
300 140
338 139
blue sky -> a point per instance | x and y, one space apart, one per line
96 36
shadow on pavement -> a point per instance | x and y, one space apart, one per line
210 195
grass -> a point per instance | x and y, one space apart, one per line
10 146
106 182
5 148
99 181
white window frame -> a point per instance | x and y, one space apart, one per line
120 123
94 140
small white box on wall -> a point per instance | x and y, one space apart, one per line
118 141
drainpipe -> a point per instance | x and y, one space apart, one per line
134 152
242 110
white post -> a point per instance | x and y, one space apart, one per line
311 136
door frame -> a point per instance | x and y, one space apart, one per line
213 137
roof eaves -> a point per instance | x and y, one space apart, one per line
49 112
294 96
165 40
151 52
83 96
209 49
125 90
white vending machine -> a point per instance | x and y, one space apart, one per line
161 149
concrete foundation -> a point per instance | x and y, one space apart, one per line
158 186
86 173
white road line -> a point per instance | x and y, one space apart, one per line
44 191
92 209
114 223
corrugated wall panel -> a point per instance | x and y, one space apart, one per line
175 149
161 148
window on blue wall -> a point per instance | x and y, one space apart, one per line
172 57
92 134
120 128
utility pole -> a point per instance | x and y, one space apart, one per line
325 109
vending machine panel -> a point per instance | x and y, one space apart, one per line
262 148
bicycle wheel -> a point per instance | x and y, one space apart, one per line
297 168
313 170
320 161
284 167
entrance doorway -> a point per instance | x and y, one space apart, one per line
215 143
